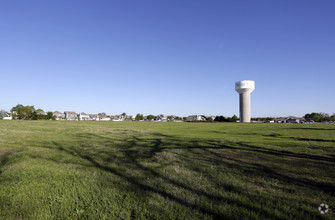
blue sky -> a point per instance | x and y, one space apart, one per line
170 57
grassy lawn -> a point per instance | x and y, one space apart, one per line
143 170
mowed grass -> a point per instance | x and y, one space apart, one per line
143 170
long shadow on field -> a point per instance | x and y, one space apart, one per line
310 139
260 170
285 153
320 129
300 138
5 158
128 157
130 162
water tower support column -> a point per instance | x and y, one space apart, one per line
245 88
245 107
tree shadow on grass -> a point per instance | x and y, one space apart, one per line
311 139
120 155
285 153
5 158
299 138
315 129
130 162
261 170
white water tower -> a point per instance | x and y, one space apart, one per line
245 88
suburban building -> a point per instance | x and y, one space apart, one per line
196 118
94 117
117 118
290 119
161 118
84 117
58 115
71 115
105 118
172 117
212 117
7 117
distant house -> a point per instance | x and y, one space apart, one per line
94 117
118 118
212 117
71 115
58 115
171 117
295 120
279 120
7 117
84 117
112 117
161 118
290 119
196 118
105 118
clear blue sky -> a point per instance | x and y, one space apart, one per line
170 57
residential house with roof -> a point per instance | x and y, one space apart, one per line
94 117
104 118
212 117
118 118
58 115
171 117
71 115
84 117
196 118
161 118
290 119
7 117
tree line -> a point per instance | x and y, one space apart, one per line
319 117
224 119
263 119
29 112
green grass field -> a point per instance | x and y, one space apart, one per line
146 170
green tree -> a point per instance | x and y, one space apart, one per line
39 111
15 111
234 118
16 108
170 117
220 118
50 116
39 114
210 119
139 117
25 112
151 117
124 114
318 117
35 116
